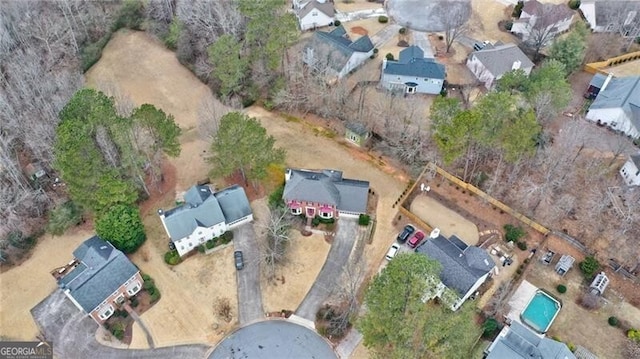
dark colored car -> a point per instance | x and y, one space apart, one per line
239 260
406 233
416 239
172 246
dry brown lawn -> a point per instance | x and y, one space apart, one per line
355 5
484 21
371 25
448 221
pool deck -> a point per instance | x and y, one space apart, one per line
520 299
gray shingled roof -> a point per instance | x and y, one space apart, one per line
460 268
327 187
636 160
334 49
554 12
621 92
326 8
410 53
520 342
200 210
234 203
499 59
357 128
418 67
102 270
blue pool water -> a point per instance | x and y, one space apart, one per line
540 312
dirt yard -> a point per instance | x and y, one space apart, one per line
449 222
484 21
355 5
370 27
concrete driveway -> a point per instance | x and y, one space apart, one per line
249 294
385 35
73 334
327 280
421 39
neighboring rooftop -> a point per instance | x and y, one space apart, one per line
327 187
336 48
357 128
412 62
101 271
462 265
553 12
620 92
201 209
636 160
325 7
519 342
500 59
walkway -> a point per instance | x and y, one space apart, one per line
249 294
327 280
137 319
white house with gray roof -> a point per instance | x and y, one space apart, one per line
491 62
516 341
334 54
464 267
313 14
630 171
616 16
617 104
413 73
205 215
324 193
99 278
542 21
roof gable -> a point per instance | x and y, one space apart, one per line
233 203
181 221
410 53
520 342
500 59
324 7
411 62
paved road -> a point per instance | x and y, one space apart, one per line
421 39
327 279
73 334
249 294
383 36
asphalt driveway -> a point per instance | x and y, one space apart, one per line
249 294
327 280
73 334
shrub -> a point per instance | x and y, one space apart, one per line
135 302
130 15
402 31
91 53
383 19
18 240
172 257
226 237
364 220
489 327
522 245
336 23
613 321
526 260
269 105
574 4
118 331
440 37
634 335
210 243
375 51
389 56
315 221
517 10
513 233
275 198
146 277
589 266
518 271
561 288
63 217
155 296
201 248
171 40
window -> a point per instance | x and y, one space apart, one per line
314 13
326 214
296 211
106 313
411 89
133 289
119 299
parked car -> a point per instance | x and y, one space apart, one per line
172 246
416 239
239 260
406 233
392 251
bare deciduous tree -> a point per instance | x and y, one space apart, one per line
274 248
542 26
222 308
454 17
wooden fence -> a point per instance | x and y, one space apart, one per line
597 67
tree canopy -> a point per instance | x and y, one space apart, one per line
122 226
241 143
398 324
570 50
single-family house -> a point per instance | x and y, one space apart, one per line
464 267
99 279
617 104
491 62
630 171
324 193
516 341
334 54
357 133
413 73
313 14
205 215
617 16
540 22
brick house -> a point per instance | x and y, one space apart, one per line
324 193
99 279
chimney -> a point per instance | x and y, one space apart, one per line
384 64
516 65
287 175
606 82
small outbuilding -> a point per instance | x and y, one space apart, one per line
564 264
357 133
599 284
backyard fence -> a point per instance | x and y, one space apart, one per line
596 67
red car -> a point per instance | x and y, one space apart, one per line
416 239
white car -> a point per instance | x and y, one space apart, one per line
392 251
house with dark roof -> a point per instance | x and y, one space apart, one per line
464 267
491 62
617 103
334 54
630 171
324 193
413 73
205 215
99 279
357 133
516 341
616 16
313 14
542 21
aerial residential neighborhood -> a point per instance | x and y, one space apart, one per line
320 179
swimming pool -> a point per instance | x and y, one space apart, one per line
540 312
